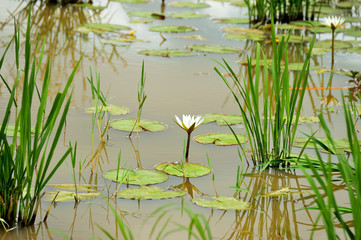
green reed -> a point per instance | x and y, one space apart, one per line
322 181
271 134
25 162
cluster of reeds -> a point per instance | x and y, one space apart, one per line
270 109
25 160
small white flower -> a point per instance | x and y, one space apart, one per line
333 22
189 123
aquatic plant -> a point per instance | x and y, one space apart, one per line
270 138
25 162
189 124
350 175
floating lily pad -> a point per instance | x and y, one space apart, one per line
329 10
88 5
189 4
131 1
66 196
149 192
167 53
239 3
319 51
353 19
299 66
100 28
354 50
10 131
127 125
287 26
354 32
232 36
252 34
124 39
183 170
221 119
189 15
143 21
171 29
224 203
136 177
112 109
348 4
320 29
254 62
307 23
220 139
294 38
328 44
194 37
214 48
278 193
147 14
78 187
232 20
341 144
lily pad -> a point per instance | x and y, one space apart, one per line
171 29
348 4
232 20
252 34
124 39
146 125
354 32
295 38
220 139
194 37
232 36
221 119
78 187
341 144
354 50
299 66
353 19
224 203
183 170
10 131
278 193
149 192
88 5
143 21
147 14
214 48
328 44
189 15
112 109
136 177
66 196
319 51
100 28
131 1
167 53
189 5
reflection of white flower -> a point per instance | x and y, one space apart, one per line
333 22
189 123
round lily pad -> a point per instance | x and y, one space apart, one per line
224 203
100 28
167 53
232 36
348 4
183 170
354 32
189 4
221 119
124 39
214 48
146 125
66 196
232 20
328 44
252 34
112 109
220 139
143 21
146 14
294 38
354 19
319 51
10 131
78 187
149 192
189 15
137 177
341 144
171 29
131 1
194 37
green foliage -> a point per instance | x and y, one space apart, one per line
25 162
270 138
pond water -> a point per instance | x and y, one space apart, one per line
174 86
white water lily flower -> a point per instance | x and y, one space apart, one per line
333 22
189 123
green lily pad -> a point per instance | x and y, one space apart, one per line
100 28
214 48
348 4
183 170
319 51
307 23
328 44
354 32
355 19
167 53
112 109
78 187
125 39
329 10
147 14
10 131
136 177
239 3
232 20
189 5
354 50
127 125
294 38
221 119
341 144
194 37
287 26
232 36
88 5
143 21
299 66
278 193
132 1
224 203
252 34
171 29
254 62
220 139
320 29
149 192
66 196
189 15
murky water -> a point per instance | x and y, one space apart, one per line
184 85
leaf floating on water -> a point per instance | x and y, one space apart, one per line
221 119
340 144
167 53
214 48
65 196
136 177
232 20
149 192
224 203
189 5
131 1
112 109
194 37
78 187
147 14
183 170
88 5
299 66
189 15
146 125
327 44
100 28
171 29
10 131
220 139
278 193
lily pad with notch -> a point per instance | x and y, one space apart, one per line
136 177
149 192
100 28
189 15
222 119
223 203
220 139
112 109
172 29
167 53
146 125
214 48
192 5
185 169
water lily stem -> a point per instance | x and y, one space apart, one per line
188 143
333 49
